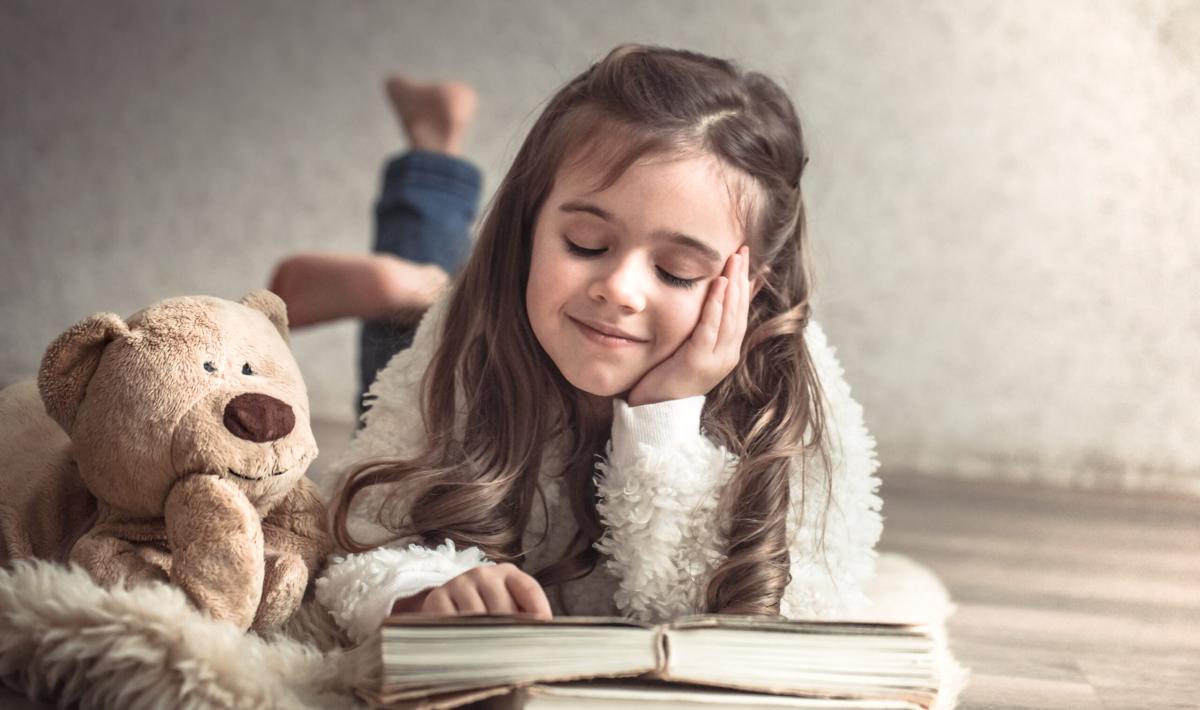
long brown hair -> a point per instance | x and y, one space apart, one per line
476 481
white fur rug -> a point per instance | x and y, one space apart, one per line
67 641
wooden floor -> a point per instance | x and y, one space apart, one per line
1066 599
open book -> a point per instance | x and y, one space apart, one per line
444 662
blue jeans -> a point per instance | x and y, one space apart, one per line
426 206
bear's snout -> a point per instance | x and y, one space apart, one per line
258 418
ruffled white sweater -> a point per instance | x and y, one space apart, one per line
658 488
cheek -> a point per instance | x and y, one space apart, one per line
678 318
554 279
542 296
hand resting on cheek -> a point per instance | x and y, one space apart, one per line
715 345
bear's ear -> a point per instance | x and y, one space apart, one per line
70 362
272 305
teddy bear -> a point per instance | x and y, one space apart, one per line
172 447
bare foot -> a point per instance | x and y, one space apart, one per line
434 117
320 287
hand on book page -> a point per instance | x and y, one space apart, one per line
492 589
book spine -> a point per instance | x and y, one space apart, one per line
661 652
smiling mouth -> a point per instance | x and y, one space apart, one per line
603 337
251 478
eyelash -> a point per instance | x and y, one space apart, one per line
667 277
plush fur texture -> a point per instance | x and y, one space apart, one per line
67 640
181 456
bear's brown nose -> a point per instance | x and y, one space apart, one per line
258 418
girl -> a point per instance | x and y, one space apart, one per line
620 406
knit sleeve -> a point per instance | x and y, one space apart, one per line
359 589
660 483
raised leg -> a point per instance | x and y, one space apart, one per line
427 203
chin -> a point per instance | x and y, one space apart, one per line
599 385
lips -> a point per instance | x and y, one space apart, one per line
608 330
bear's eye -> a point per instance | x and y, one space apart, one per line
209 367
246 369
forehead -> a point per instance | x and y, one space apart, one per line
693 193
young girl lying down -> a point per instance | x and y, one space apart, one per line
620 405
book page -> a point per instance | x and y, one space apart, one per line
600 695
427 657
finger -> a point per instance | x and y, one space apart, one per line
744 306
528 595
412 603
729 348
467 599
729 314
497 598
705 334
439 603
730 269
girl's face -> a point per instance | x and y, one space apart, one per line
618 277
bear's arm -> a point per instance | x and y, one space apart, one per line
298 524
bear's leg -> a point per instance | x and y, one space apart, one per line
284 583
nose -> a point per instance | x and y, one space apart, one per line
621 287
258 418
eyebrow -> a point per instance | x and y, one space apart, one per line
674 237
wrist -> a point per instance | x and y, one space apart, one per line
637 398
659 424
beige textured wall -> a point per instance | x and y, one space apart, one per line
1003 195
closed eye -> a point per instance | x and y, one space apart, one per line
674 280
666 276
580 251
